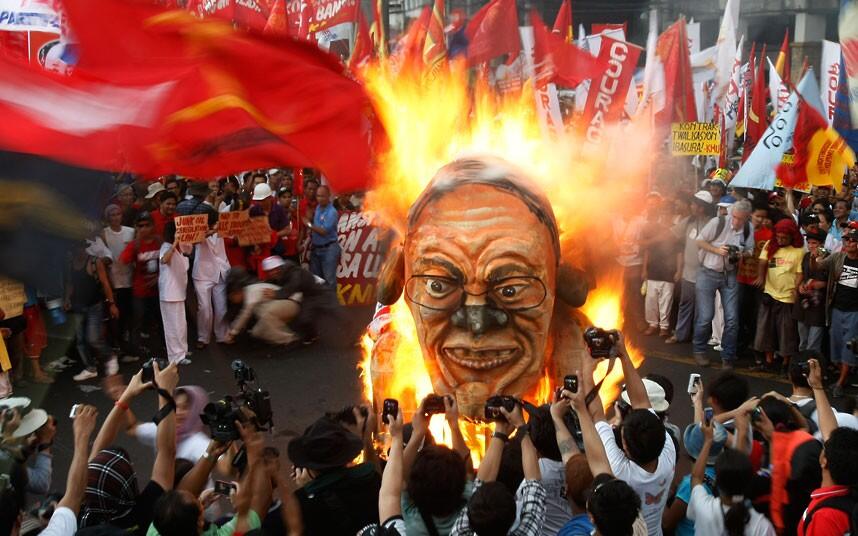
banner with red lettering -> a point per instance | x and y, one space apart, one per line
830 78
607 94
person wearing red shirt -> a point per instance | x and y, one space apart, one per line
166 212
142 254
831 505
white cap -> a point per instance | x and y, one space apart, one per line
154 189
272 262
261 191
32 421
273 170
704 196
656 394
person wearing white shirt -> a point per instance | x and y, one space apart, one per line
272 315
117 236
172 285
730 512
211 267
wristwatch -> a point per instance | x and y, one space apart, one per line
502 437
522 430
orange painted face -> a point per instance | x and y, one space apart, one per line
480 275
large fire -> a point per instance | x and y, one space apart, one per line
432 121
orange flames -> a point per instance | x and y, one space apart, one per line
431 121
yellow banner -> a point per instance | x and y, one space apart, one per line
695 138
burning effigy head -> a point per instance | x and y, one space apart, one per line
482 274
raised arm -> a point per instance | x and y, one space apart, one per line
116 418
163 470
634 384
824 411
419 426
529 455
597 458
490 466
451 413
565 442
195 480
698 472
389 496
83 426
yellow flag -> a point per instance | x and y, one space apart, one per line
829 156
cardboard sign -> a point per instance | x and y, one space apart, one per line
12 297
255 231
230 224
360 261
191 229
695 138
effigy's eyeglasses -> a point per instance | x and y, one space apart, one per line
517 293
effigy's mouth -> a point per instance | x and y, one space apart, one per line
481 358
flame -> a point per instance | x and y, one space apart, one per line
433 120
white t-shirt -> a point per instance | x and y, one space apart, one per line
707 512
173 276
191 448
557 509
120 274
63 523
653 488
844 420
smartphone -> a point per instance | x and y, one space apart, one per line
223 487
73 412
390 407
708 413
693 383
570 383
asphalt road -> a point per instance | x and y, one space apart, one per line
303 383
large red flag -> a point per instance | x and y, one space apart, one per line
278 20
409 49
250 14
563 22
158 92
757 116
557 61
435 44
607 94
493 31
363 48
672 49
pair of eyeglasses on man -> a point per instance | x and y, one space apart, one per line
517 293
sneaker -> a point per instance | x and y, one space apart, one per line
84 375
130 358
111 367
837 391
701 359
185 361
717 348
713 342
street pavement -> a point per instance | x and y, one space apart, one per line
303 383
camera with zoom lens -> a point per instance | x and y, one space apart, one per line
220 416
494 405
733 254
149 369
600 341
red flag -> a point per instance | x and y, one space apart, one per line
757 116
557 61
672 49
821 154
158 92
379 37
605 27
247 13
409 49
435 44
782 63
493 31
327 13
563 22
278 21
363 44
607 94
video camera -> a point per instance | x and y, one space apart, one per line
220 416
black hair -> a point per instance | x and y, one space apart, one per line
733 472
175 515
614 506
237 278
796 377
643 433
168 195
144 216
578 479
729 390
170 232
283 191
13 486
845 202
841 451
779 413
437 480
511 471
543 433
664 383
491 510
182 468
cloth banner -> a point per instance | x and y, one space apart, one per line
28 16
360 261
829 78
547 103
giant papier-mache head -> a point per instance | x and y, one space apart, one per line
482 273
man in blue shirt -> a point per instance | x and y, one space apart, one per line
325 250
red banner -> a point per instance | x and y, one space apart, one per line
608 92
327 13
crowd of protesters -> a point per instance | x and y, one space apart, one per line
763 278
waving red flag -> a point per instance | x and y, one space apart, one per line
493 31
757 116
363 43
158 92
563 22
557 61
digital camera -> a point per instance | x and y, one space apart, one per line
599 341
494 405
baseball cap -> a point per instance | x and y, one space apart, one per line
655 392
272 262
261 191
703 197
726 201
693 441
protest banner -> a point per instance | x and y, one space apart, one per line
360 261
230 224
28 16
191 229
255 231
327 13
12 297
695 138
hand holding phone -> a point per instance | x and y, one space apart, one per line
708 413
693 383
224 488
73 412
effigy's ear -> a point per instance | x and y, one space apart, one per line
573 285
392 277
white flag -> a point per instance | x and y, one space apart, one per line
829 78
653 83
547 103
726 48
731 99
759 170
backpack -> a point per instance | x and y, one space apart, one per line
847 504
806 411
722 221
